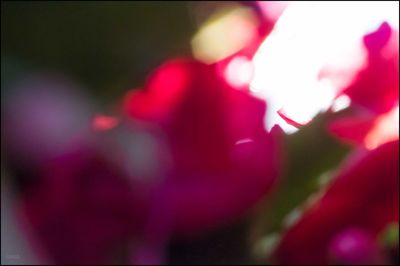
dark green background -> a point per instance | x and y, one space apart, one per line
107 46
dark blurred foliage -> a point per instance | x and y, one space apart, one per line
109 46
228 246
302 179
312 156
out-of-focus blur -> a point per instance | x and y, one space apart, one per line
216 132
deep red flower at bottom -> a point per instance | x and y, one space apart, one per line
364 196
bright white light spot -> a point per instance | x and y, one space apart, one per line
308 37
342 102
239 71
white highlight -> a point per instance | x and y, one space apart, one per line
239 71
341 103
307 37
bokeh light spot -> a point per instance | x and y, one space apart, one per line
104 122
225 33
239 71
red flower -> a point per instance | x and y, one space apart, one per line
364 196
375 93
366 129
376 86
223 161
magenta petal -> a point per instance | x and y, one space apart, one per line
355 246
222 160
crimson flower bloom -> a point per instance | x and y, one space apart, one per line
222 160
376 86
374 92
362 200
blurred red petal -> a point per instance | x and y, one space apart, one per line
223 161
376 86
364 194
366 129
163 91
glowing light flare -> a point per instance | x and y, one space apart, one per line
308 39
340 103
104 122
385 129
239 72
225 33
